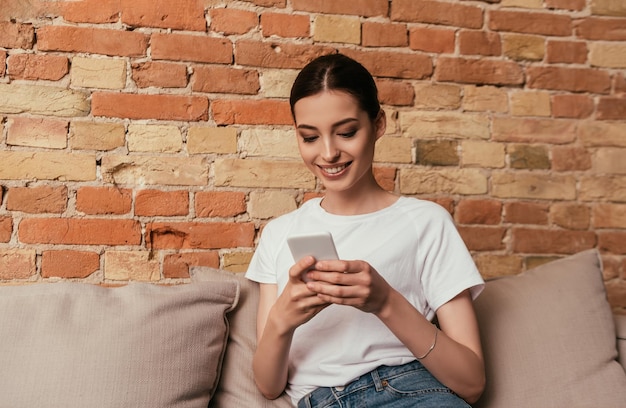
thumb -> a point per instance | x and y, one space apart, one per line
296 271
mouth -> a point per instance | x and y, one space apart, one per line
335 170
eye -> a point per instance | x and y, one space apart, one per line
309 139
347 134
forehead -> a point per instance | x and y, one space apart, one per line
326 107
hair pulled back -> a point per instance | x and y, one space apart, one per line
337 72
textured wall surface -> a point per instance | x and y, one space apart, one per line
140 137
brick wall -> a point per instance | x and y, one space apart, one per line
139 137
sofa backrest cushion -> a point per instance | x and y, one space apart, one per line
140 345
237 387
549 338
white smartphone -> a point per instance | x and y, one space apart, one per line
319 245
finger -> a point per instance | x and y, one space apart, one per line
296 271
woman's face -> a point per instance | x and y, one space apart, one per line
336 139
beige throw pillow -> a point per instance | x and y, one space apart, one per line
141 345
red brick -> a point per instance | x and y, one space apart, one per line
69 264
544 241
232 21
285 25
479 71
572 106
613 242
37 200
438 40
565 158
195 235
569 79
477 211
393 64
223 79
526 213
364 8
599 28
574 5
386 177
435 12
568 52
474 42
619 83
160 74
16 264
269 3
16 35
6 229
180 15
82 231
482 238
92 40
570 216
611 108
251 112
184 47
162 107
395 93
177 265
384 35
220 204
275 55
90 11
34 67
530 22
104 200
151 203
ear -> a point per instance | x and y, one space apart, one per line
381 123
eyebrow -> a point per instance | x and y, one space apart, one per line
335 125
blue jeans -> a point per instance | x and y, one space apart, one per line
409 385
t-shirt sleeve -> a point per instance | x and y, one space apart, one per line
448 267
262 266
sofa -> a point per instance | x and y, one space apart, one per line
549 336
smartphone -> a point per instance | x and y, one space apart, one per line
319 245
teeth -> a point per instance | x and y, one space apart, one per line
334 170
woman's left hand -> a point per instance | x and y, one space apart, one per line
352 283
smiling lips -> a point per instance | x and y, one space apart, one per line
331 171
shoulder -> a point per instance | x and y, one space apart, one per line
423 209
282 224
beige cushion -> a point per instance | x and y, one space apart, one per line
236 387
620 323
549 338
141 345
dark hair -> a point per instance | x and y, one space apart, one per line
337 72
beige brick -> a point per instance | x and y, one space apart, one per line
609 215
131 265
444 124
529 130
96 136
276 83
236 261
150 170
444 181
17 263
390 149
483 154
610 160
615 8
19 165
485 98
104 73
607 54
211 140
51 134
532 103
602 133
339 29
437 96
42 100
530 4
258 142
270 204
493 266
262 174
533 186
154 138
523 47
603 188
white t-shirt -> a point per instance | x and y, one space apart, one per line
413 244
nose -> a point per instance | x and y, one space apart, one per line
330 152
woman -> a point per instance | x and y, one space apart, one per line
359 330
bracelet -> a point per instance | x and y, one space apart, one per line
432 346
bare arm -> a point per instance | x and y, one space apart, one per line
456 360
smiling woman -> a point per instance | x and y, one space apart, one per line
364 322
